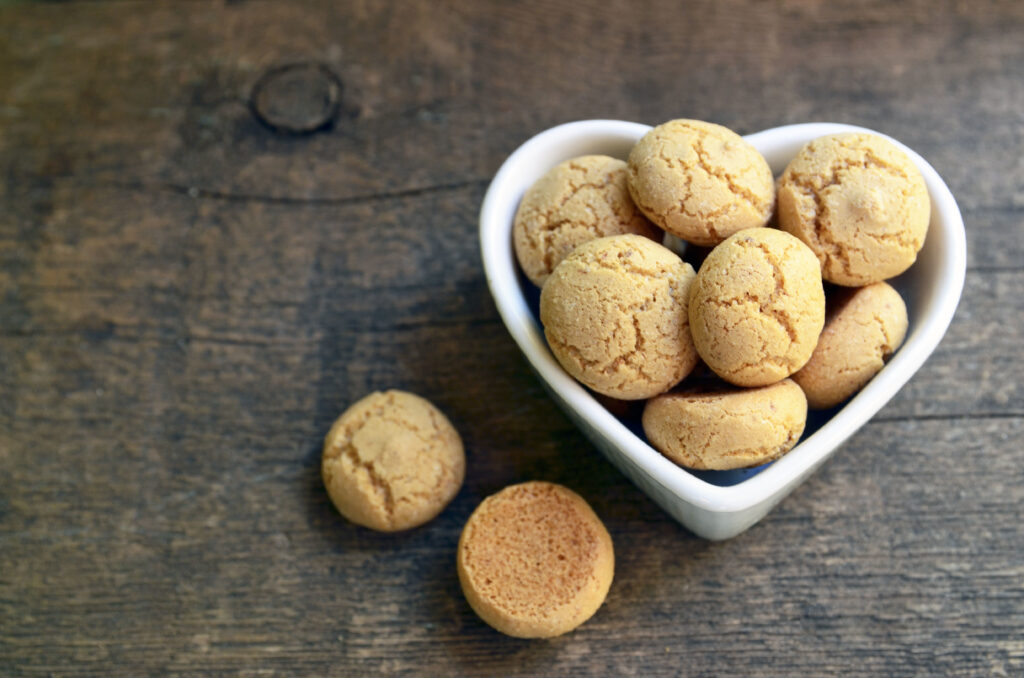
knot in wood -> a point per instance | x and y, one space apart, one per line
299 98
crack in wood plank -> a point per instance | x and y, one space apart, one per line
210 194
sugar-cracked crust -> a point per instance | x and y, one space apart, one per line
615 316
534 561
700 181
726 428
392 461
859 203
757 307
575 201
862 331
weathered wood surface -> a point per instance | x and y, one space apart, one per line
188 298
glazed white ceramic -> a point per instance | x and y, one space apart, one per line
723 504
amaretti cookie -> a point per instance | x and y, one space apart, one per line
392 461
859 203
864 327
534 561
575 201
615 316
726 427
700 181
757 307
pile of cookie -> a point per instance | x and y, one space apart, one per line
631 320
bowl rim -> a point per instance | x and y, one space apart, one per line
500 272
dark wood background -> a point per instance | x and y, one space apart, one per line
188 298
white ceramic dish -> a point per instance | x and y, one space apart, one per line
715 505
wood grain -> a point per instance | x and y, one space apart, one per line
188 299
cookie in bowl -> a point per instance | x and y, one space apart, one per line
575 201
615 316
757 307
700 181
859 203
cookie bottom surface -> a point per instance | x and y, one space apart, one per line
535 561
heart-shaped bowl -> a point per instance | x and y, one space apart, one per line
714 504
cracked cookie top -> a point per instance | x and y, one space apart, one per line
859 203
757 307
700 181
721 427
575 201
614 314
863 328
392 461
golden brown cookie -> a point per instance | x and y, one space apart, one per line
700 181
614 314
575 201
757 307
859 203
535 561
864 327
726 427
392 461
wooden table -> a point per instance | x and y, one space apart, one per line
189 296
